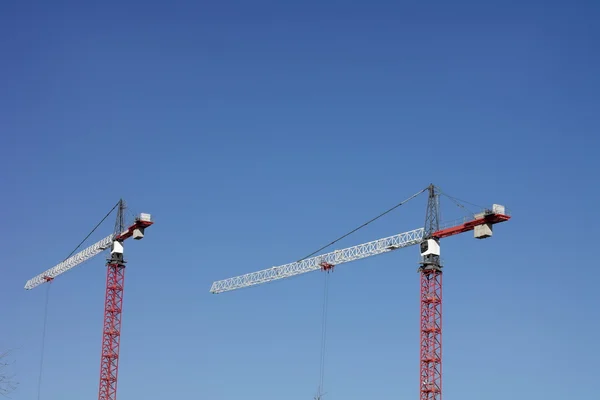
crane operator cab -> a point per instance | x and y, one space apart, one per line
430 247
116 252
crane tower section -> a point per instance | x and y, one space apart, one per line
113 304
431 304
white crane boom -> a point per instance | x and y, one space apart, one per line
71 262
336 257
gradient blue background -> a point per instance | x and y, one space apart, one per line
255 132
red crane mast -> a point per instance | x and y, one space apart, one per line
113 307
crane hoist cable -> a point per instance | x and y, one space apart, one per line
323 337
320 393
39 389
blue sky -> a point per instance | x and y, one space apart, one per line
256 132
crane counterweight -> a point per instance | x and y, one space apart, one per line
481 223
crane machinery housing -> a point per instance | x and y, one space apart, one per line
113 302
430 269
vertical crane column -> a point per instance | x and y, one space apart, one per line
431 335
111 336
430 383
113 307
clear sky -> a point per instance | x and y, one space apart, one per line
256 132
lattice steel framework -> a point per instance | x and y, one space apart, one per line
111 334
336 257
113 307
70 262
431 309
431 335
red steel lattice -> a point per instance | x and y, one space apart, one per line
111 337
431 335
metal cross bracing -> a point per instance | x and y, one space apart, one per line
70 262
430 382
111 337
336 257
113 301
428 237
431 335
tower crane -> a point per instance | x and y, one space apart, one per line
430 269
113 303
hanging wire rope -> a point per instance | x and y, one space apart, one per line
320 388
460 203
320 392
39 388
363 225
93 230
130 216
